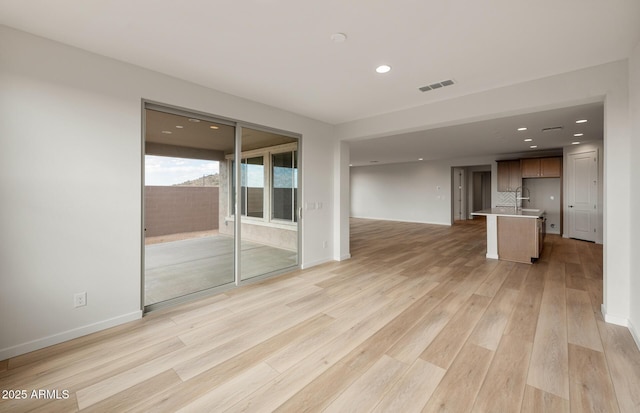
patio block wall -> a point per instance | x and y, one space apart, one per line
176 209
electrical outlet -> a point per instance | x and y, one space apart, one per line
80 299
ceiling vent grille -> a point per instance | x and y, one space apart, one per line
437 85
552 129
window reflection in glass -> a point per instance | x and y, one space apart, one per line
252 187
285 186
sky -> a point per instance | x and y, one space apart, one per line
165 171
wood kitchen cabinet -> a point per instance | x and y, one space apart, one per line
530 167
520 239
551 167
509 176
541 167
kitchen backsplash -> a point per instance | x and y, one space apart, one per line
506 199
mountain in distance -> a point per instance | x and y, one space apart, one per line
206 180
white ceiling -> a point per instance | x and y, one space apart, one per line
279 52
499 137
196 132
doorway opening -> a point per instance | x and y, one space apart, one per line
470 191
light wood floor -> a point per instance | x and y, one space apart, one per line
417 320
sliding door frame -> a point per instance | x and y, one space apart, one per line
238 125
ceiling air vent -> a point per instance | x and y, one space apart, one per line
552 129
437 85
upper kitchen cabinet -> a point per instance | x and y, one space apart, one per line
509 176
541 167
551 167
530 167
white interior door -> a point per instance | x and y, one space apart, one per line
582 192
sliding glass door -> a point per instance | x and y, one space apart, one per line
188 247
200 234
268 198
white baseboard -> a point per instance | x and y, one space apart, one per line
448 224
624 322
634 334
315 263
612 319
324 261
40 343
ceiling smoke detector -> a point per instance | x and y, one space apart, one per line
338 37
436 85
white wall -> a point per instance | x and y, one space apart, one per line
70 133
634 115
608 82
341 209
412 192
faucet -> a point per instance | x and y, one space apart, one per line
521 190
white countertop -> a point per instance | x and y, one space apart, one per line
511 212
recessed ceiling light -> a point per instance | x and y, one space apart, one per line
167 132
421 159
194 120
350 164
523 128
533 146
383 68
214 127
578 134
575 143
179 126
581 121
528 140
373 161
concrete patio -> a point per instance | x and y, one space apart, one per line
177 268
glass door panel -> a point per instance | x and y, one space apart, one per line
189 245
269 200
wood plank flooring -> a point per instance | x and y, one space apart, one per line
417 321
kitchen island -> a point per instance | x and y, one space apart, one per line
514 234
